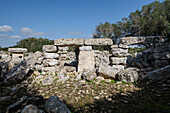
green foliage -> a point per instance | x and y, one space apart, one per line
67 58
152 20
34 44
101 48
71 48
134 50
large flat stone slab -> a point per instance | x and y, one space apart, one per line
86 61
49 48
17 50
99 42
69 42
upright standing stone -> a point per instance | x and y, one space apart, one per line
86 59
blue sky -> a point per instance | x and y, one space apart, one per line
53 19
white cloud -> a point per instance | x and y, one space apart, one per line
30 32
73 32
15 37
26 31
6 28
3 35
39 33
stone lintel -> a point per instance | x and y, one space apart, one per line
69 42
17 50
99 42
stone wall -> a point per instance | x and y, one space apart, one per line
56 58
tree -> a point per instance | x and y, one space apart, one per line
34 44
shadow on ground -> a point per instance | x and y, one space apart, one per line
152 98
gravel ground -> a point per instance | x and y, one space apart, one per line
107 96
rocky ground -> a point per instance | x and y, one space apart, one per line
95 96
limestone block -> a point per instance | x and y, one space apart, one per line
114 46
49 48
123 46
69 42
70 68
85 48
50 62
127 76
17 50
117 60
106 70
39 67
99 42
17 55
62 52
85 60
63 48
118 67
132 40
51 55
119 52
48 69
159 74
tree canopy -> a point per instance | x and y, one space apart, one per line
152 20
34 44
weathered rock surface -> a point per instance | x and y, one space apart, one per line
50 62
89 75
17 50
25 100
49 48
86 60
31 109
51 55
69 42
18 73
119 52
118 67
116 60
159 74
127 75
106 71
55 105
3 70
65 48
85 48
99 42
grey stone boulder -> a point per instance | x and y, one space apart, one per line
55 105
106 70
127 75
49 48
23 101
3 70
159 74
18 73
31 109
89 75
